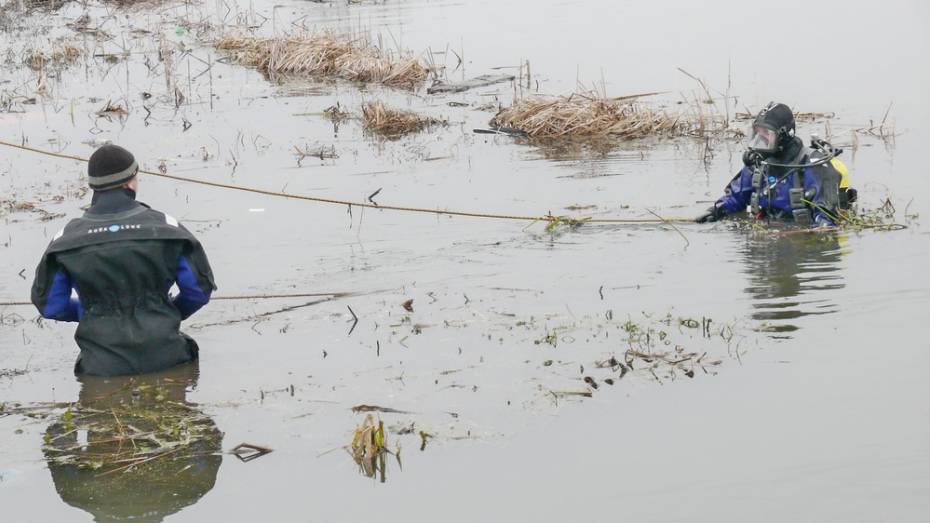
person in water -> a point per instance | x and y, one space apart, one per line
120 260
782 179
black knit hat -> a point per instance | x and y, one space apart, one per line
110 166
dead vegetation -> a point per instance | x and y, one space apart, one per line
13 102
798 116
394 123
586 115
884 129
112 109
336 113
321 152
125 4
326 55
125 435
878 218
12 7
13 206
61 55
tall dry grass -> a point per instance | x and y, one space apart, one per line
326 55
393 123
586 115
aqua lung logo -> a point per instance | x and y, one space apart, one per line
113 228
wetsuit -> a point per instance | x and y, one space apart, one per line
121 259
805 195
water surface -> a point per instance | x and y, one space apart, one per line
816 410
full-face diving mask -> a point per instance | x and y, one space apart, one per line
773 124
764 139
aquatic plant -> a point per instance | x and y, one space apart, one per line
368 448
879 218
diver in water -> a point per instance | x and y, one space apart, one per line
784 180
121 259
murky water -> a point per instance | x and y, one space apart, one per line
805 397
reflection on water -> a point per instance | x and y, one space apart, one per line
133 448
790 276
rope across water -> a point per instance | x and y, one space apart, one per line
335 201
349 203
546 218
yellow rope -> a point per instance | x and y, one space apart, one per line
319 199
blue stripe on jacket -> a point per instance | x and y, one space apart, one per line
60 305
192 296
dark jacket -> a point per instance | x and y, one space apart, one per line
818 185
122 258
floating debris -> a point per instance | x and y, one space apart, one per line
126 436
335 113
321 151
376 408
11 206
478 81
509 131
400 429
571 393
111 109
247 452
325 55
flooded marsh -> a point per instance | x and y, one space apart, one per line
417 320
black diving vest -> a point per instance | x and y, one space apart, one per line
123 265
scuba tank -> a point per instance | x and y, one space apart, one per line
847 194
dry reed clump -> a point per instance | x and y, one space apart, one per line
393 123
33 5
61 56
798 116
586 115
326 55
